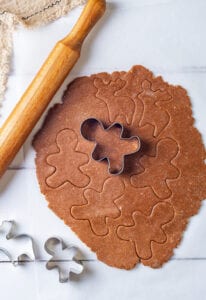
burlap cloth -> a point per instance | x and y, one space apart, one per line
29 13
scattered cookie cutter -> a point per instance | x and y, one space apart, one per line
92 122
28 255
75 266
7 228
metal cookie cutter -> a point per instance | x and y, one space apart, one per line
55 246
110 144
26 251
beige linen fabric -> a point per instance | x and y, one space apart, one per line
28 13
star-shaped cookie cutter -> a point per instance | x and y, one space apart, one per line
75 266
87 131
26 255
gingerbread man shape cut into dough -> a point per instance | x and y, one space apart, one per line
158 169
67 161
147 229
100 205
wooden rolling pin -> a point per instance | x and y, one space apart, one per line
45 84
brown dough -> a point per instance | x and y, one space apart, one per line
141 214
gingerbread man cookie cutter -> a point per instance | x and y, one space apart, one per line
110 143
75 266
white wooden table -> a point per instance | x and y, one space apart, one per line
168 37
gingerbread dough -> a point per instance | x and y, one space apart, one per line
139 215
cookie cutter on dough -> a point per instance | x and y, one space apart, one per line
83 129
28 255
76 265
